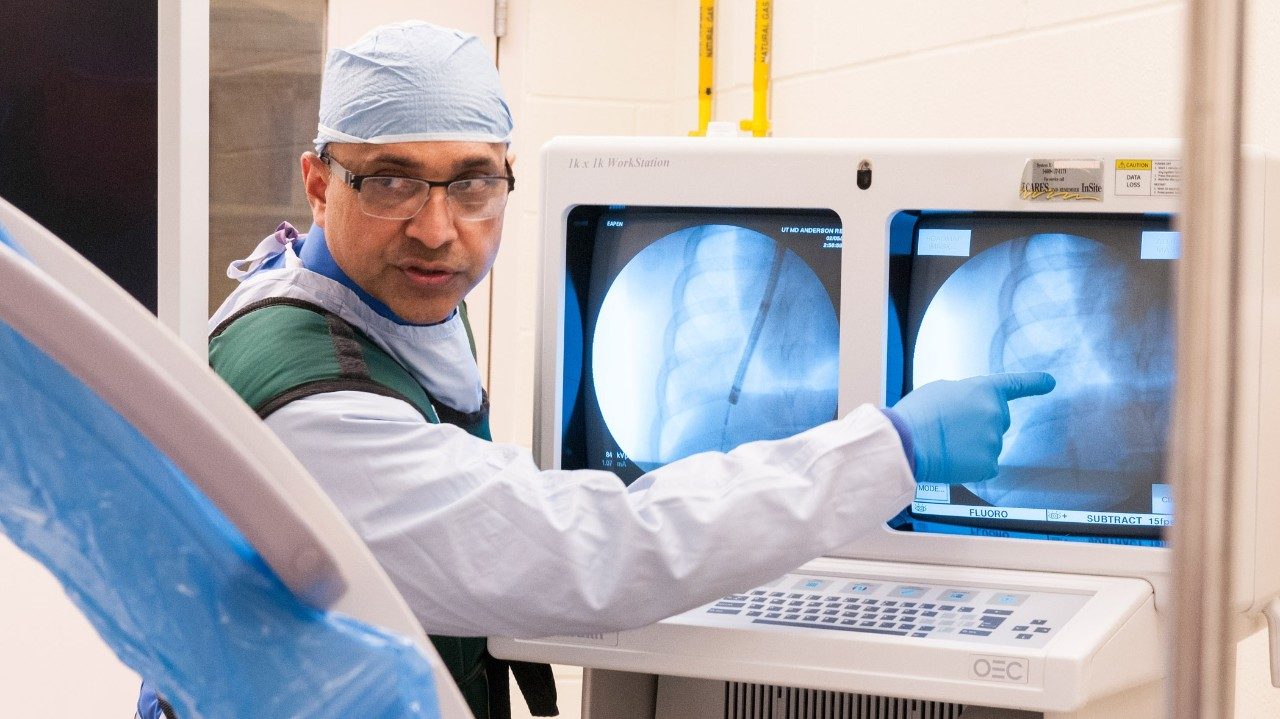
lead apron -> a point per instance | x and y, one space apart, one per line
280 349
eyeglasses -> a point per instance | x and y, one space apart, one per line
391 197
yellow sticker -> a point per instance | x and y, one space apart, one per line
1133 164
1148 178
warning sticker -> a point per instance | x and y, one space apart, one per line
1148 178
1061 180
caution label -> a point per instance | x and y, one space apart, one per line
1148 178
1061 180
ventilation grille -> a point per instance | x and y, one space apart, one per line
761 701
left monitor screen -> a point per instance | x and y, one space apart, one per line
695 329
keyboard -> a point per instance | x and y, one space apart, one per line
916 610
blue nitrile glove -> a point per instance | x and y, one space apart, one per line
957 428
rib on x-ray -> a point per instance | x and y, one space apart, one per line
731 338
1075 308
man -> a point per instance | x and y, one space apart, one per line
351 344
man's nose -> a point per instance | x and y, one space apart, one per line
433 226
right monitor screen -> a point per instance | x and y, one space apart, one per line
1086 298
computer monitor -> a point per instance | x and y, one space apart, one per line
688 329
890 198
1085 297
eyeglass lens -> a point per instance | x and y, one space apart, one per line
400 198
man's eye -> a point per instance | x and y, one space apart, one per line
392 185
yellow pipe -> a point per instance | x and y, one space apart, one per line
758 125
706 65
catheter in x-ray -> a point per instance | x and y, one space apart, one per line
712 336
1080 310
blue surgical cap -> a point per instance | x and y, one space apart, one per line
412 81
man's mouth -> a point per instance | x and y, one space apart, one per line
428 276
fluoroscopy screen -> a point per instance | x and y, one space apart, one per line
1087 298
694 329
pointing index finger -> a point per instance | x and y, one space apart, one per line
1014 385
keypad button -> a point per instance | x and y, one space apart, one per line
1043 630
812 584
1024 636
1039 622
907 591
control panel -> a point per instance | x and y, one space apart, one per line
1030 640
892 607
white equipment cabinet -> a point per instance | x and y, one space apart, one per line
968 625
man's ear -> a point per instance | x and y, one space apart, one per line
315 180
511 159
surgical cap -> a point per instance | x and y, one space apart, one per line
412 81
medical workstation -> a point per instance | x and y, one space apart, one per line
671 292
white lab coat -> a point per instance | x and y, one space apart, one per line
482 543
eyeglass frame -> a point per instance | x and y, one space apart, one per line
354 181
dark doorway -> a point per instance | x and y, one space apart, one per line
78 128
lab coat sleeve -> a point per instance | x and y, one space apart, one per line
482 543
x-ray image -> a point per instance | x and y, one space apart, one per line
709 337
1086 313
